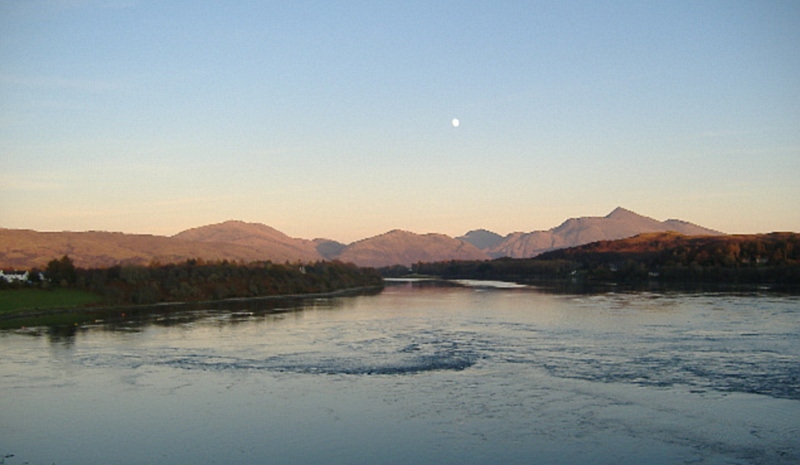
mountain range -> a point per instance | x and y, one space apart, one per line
248 242
619 224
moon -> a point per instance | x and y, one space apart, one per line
455 122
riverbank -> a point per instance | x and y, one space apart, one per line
34 298
76 315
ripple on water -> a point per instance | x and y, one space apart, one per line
368 357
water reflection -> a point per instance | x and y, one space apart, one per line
420 373
64 335
227 313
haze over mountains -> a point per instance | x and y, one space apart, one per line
248 242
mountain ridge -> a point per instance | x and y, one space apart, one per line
236 240
399 247
260 237
482 238
620 223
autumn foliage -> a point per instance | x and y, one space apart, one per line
668 257
197 280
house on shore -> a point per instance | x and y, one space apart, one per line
16 276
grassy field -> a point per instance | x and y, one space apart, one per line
14 301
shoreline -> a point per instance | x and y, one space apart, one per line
36 313
589 286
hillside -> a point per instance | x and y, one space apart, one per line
248 242
266 242
404 248
678 249
666 257
25 249
618 224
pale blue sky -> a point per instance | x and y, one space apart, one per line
332 119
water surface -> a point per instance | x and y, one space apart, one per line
417 374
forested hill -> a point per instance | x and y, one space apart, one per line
678 249
194 280
759 258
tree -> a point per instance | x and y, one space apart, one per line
61 271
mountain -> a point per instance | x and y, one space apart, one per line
248 242
482 238
268 243
618 224
25 249
399 247
232 240
328 248
763 259
669 256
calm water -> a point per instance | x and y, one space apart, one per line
416 374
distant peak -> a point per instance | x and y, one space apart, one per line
481 238
481 231
399 232
620 212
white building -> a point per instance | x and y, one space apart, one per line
14 276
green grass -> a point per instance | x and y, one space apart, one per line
19 306
15 301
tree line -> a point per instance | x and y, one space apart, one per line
668 257
198 280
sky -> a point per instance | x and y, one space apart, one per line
334 119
